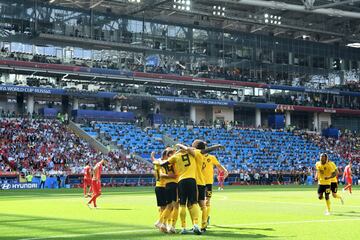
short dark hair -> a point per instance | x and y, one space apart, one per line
199 144
325 155
170 151
163 154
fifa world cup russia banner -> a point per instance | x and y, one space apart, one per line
9 88
9 186
53 91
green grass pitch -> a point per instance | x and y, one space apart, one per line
273 212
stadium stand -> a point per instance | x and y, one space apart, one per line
246 149
129 137
30 146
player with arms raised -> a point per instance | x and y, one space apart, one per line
200 147
211 162
96 182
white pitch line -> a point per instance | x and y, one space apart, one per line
290 222
230 225
289 203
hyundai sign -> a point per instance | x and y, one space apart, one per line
8 186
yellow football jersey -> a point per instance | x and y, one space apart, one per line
200 165
208 171
160 182
185 165
170 168
324 171
334 179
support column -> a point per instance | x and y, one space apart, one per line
30 104
106 104
157 108
316 122
287 118
291 62
20 103
118 106
64 104
193 113
75 104
257 117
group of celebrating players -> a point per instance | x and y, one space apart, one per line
327 177
184 179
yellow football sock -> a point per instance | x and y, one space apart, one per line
165 215
169 217
194 212
208 210
328 204
160 213
174 216
183 216
203 217
337 196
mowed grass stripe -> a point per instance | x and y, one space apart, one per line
129 213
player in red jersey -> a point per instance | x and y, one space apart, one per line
96 182
221 179
348 176
87 180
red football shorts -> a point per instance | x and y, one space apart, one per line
87 182
349 180
96 186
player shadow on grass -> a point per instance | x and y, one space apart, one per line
347 214
233 235
80 229
79 226
243 228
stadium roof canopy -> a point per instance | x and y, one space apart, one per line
328 21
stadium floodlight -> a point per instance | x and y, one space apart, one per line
272 19
353 45
219 10
184 5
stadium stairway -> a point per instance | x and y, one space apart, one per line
129 138
90 138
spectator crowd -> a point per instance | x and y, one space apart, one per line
36 145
